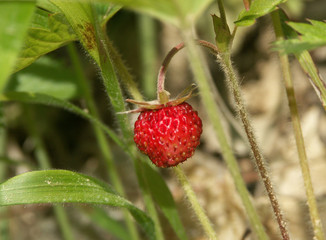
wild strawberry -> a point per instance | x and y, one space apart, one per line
168 135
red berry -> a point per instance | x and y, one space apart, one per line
168 135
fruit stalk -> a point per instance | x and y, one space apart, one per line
172 119
170 55
213 113
162 95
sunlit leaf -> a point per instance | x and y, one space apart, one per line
15 19
79 15
106 11
47 5
50 30
312 36
46 76
168 11
258 8
61 186
47 32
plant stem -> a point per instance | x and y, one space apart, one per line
222 12
108 62
63 220
233 82
242 112
213 112
288 83
200 213
100 136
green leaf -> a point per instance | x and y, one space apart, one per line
302 56
83 19
257 9
167 11
84 22
48 6
79 15
223 36
47 32
15 18
50 30
46 76
288 32
163 197
315 30
37 98
312 36
105 11
61 186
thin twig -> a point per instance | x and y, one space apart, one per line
200 213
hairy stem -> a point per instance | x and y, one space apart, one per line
288 83
232 79
200 213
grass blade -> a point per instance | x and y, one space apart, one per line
61 186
